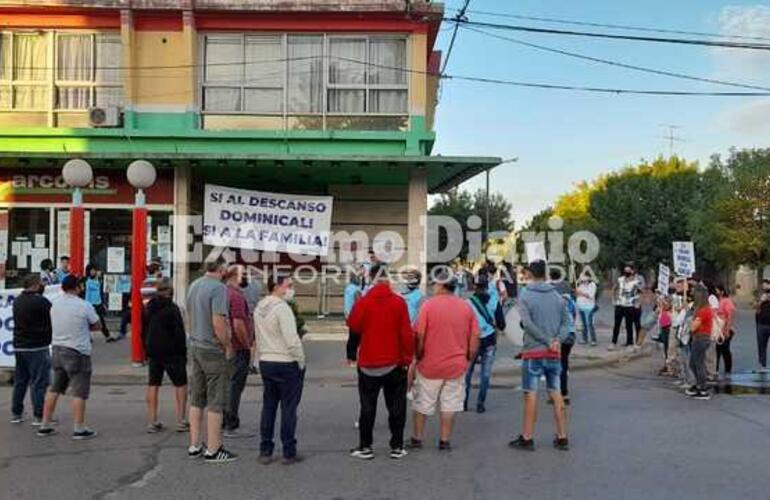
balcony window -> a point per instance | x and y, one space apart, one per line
84 71
305 74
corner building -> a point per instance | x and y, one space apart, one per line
314 97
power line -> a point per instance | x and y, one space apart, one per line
550 86
618 63
459 17
616 26
551 31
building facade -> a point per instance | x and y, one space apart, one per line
319 97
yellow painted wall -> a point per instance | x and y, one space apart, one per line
164 70
418 59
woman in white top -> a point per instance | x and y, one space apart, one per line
586 306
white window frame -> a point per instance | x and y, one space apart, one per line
285 114
93 85
52 82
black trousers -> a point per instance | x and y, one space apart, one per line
101 311
631 317
240 372
763 336
393 385
566 349
723 352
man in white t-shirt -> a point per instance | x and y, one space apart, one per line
72 321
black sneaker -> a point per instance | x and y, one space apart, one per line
481 409
522 444
398 453
362 453
702 395
444 446
84 434
292 460
414 444
221 456
46 431
561 443
196 451
691 391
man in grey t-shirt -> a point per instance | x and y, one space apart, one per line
210 349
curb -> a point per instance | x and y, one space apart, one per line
580 364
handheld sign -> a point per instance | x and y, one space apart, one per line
684 258
535 250
664 275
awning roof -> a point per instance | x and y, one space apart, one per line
444 172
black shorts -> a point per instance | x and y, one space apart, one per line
175 367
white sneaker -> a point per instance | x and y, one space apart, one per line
612 347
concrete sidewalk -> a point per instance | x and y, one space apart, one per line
325 351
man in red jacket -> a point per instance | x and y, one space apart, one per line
380 321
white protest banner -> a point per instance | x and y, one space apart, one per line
664 275
272 222
535 250
7 297
684 258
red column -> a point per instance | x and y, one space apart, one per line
138 269
77 236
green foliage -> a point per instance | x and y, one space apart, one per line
460 205
737 221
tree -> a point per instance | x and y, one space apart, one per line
736 224
461 205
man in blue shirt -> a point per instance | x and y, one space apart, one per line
485 357
93 295
64 268
413 295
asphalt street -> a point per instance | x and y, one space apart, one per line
634 437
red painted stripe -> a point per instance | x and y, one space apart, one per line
69 19
158 21
306 22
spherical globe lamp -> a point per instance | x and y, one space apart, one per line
77 173
141 174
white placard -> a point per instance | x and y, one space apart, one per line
7 298
164 234
4 245
273 222
37 255
684 258
115 301
535 250
40 241
116 260
664 276
62 233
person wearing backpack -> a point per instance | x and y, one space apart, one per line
485 356
763 325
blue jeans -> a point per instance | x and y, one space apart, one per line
486 358
33 370
282 384
587 318
533 369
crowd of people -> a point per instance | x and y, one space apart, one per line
409 345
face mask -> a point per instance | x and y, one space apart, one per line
288 296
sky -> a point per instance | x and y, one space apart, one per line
562 137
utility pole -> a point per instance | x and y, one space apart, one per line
671 137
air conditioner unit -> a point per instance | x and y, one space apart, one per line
105 116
